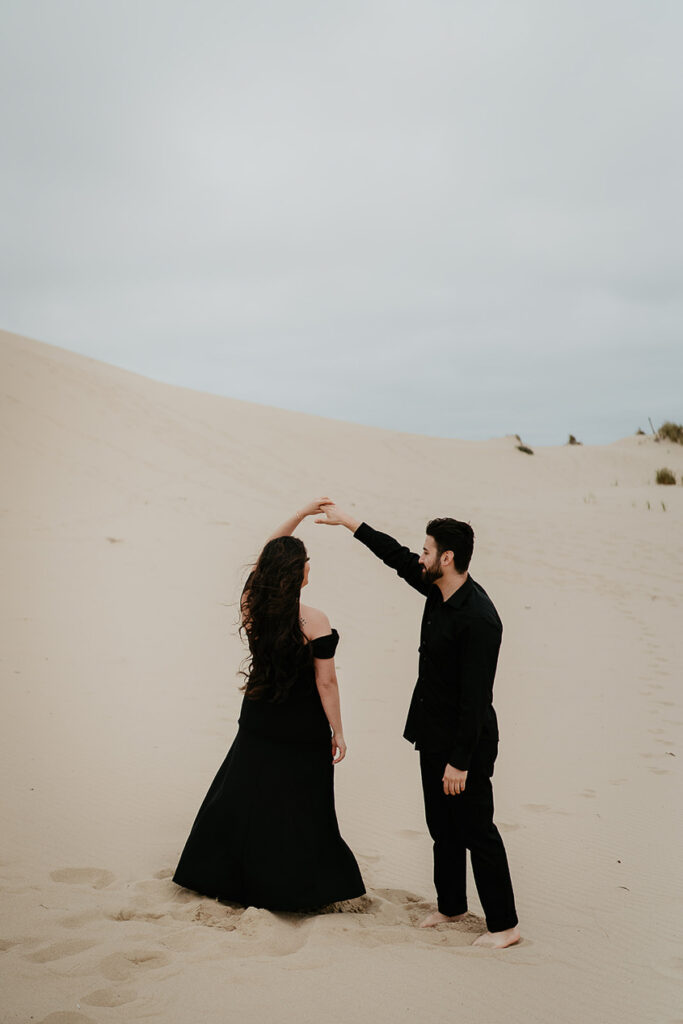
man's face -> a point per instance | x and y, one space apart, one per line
430 560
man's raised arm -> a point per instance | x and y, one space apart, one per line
395 555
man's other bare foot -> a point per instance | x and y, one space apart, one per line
499 940
436 917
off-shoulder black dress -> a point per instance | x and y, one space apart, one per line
266 834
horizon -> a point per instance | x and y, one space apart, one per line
649 431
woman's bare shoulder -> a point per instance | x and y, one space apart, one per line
314 622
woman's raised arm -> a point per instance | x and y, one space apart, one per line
312 508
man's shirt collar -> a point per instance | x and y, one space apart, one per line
456 599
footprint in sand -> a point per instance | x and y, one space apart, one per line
539 808
59 950
409 833
109 997
398 908
98 878
589 794
80 920
122 966
219 915
133 914
66 1017
6 944
503 826
165 873
160 887
27 941
258 932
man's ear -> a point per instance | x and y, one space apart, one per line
447 558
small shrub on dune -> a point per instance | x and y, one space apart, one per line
572 440
671 432
521 447
665 476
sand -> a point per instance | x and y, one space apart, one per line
129 512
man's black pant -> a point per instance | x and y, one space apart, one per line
460 823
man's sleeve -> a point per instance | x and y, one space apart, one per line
405 562
480 643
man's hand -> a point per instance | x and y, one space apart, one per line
453 781
335 517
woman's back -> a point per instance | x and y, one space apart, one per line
299 716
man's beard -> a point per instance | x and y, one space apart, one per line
431 575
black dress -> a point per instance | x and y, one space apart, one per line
266 834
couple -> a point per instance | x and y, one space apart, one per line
266 834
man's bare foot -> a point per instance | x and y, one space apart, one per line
436 917
499 940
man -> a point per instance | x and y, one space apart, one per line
451 719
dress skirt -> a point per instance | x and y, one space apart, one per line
266 834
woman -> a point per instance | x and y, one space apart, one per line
266 834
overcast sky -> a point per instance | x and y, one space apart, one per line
454 218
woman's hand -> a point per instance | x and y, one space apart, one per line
313 508
338 747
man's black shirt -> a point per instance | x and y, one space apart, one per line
451 710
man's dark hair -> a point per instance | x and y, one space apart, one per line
452 535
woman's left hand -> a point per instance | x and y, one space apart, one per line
313 508
338 748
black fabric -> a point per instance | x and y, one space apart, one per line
460 823
300 718
452 721
266 834
452 703
324 647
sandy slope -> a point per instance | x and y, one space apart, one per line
128 510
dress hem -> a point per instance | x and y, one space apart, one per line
308 908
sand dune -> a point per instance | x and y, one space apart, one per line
129 511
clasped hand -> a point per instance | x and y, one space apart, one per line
316 507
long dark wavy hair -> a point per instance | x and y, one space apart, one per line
278 651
